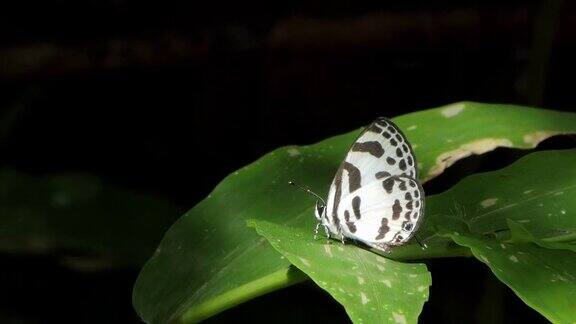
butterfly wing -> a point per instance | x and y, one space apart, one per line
380 151
383 213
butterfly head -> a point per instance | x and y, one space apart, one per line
319 210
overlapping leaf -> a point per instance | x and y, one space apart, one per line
210 253
545 279
373 289
521 222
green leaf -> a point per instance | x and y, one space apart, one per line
527 192
520 221
521 235
211 250
447 134
107 226
371 288
545 279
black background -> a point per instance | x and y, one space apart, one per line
138 92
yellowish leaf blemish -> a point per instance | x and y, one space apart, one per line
364 298
328 250
293 151
534 138
399 318
488 202
480 146
304 261
453 110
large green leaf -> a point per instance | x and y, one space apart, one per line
209 253
373 289
545 279
538 191
521 222
99 224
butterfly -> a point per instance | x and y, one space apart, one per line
375 197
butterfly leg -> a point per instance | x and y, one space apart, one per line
341 234
422 246
327 232
316 230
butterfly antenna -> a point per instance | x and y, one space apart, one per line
292 183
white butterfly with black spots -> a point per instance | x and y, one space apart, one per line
375 197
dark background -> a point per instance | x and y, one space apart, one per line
138 92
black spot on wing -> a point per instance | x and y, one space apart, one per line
393 142
354 183
396 209
407 215
353 176
383 229
381 121
390 160
351 227
402 165
373 147
356 206
388 185
402 185
391 129
382 174
374 129
409 205
337 196
399 152
386 135
410 161
407 225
